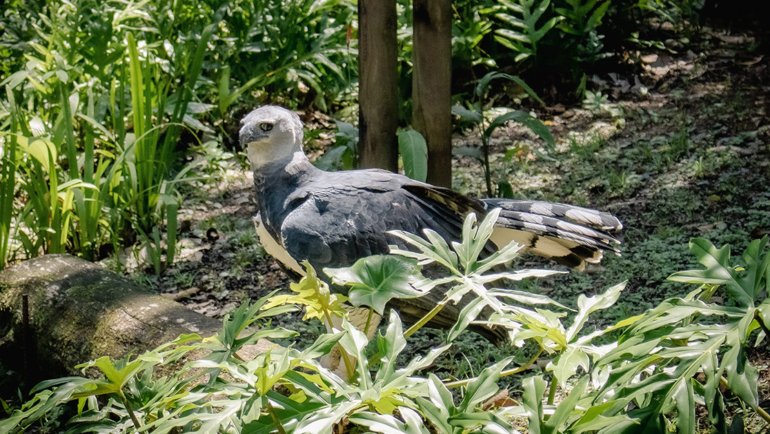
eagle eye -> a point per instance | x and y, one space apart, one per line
265 126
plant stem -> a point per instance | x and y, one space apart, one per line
130 411
276 420
552 391
763 414
507 373
350 367
424 320
368 322
485 149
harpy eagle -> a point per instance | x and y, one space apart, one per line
332 219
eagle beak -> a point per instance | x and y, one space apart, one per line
247 135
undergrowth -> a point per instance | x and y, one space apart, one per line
646 373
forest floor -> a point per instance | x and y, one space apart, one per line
678 149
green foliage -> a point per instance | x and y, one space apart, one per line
299 49
88 178
524 28
344 154
649 373
474 116
469 29
109 93
376 281
414 154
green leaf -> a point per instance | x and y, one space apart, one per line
466 115
333 158
354 343
589 305
41 149
685 406
390 346
322 346
439 394
568 363
387 424
525 119
314 294
468 314
718 271
561 415
376 280
483 386
741 376
534 388
414 154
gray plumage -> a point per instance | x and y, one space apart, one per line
332 219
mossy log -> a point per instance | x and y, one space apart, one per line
77 311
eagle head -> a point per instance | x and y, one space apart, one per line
270 134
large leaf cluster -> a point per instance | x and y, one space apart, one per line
647 373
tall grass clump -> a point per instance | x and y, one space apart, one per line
94 124
101 100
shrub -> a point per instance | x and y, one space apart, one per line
651 370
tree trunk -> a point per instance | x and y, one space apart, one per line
78 311
378 92
431 85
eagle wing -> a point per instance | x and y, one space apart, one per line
338 219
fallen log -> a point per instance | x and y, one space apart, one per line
57 311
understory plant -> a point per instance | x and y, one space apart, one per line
647 373
102 100
474 117
412 150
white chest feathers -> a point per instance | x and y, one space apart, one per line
274 248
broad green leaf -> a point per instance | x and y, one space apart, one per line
314 294
568 362
333 158
324 419
322 346
525 119
468 314
376 280
483 386
685 406
435 414
388 424
431 249
390 346
41 149
594 419
482 421
718 271
528 298
534 388
466 115
354 343
589 305
439 394
756 277
414 154
741 375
